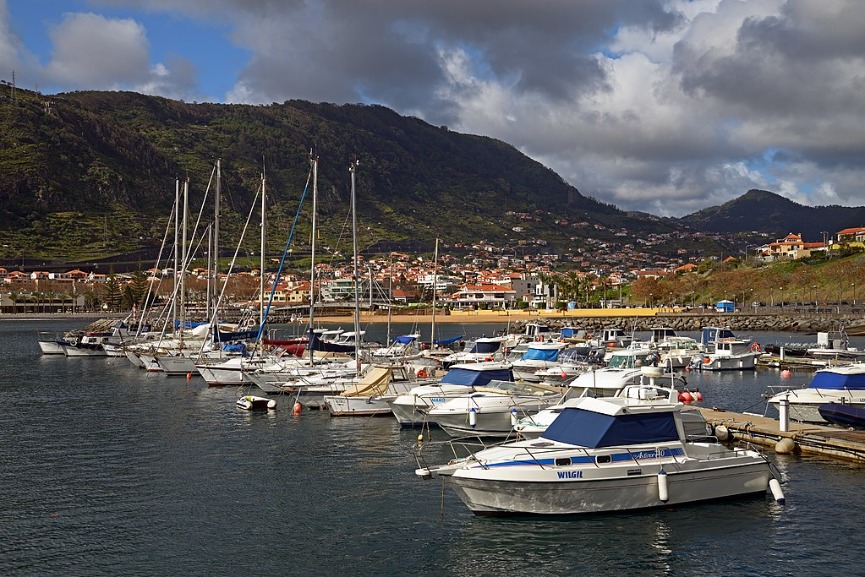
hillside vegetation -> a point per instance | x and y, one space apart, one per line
88 174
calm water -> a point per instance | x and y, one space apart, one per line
107 470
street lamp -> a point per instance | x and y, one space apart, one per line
853 284
815 298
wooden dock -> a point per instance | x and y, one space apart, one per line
828 441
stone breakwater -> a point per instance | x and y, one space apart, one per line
744 323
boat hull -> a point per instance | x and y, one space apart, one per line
485 495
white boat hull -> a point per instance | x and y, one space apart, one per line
559 494
357 406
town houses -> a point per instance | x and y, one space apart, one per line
482 275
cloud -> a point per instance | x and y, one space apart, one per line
663 105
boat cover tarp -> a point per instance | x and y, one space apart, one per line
373 383
838 381
533 354
405 339
222 337
472 378
450 341
235 348
483 347
592 430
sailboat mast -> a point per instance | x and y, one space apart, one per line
263 246
435 287
176 251
183 260
314 161
215 276
353 170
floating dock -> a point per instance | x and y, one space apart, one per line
828 441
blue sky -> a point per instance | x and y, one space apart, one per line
664 106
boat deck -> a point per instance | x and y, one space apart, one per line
829 441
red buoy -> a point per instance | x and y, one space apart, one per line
685 397
786 374
698 396
297 408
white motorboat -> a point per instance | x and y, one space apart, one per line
723 351
537 357
410 409
605 454
842 384
482 349
492 410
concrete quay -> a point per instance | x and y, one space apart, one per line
827 441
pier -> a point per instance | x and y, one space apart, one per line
827 441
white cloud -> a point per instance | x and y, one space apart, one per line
661 105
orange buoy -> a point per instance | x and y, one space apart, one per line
298 408
422 374
188 376
786 374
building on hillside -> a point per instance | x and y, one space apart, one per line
482 296
791 247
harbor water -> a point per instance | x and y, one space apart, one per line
109 470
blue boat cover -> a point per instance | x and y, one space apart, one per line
471 378
485 347
449 341
189 324
592 430
837 381
568 332
236 336
533 354
405 339
235 348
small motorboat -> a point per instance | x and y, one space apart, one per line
843 414
605 454
254 403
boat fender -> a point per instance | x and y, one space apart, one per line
785 446
777 493
271 404
473 417
422 374
723 433
297 409
698 396
663 489
685 397
513 417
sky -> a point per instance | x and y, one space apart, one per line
663 106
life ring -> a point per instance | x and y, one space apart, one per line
755 348
422 374
706 360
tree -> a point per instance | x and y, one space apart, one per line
112 293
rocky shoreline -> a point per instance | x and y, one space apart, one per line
744 323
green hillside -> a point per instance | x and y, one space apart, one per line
86 175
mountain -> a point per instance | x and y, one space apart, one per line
87 174
770 213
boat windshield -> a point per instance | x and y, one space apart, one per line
592 430
627 361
